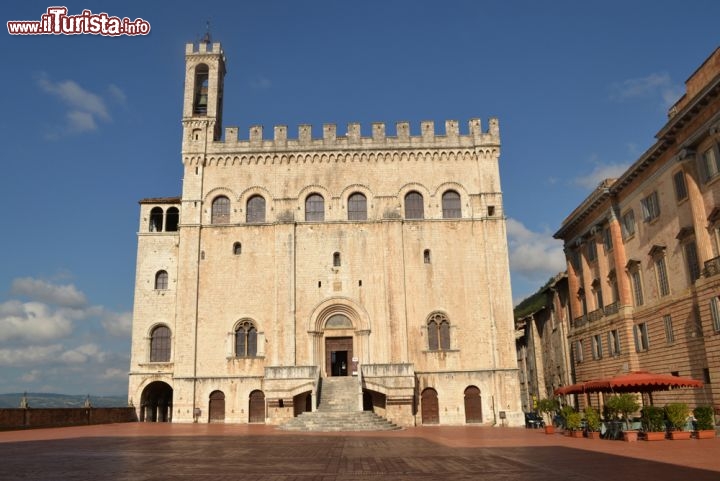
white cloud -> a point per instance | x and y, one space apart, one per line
29 355
62 295
80 122
75 96
117 94
534 256
85 107
83 354
32 322
31 376
115 374
118 324
600 173
654 85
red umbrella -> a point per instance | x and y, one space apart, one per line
578 388
641 381
637 381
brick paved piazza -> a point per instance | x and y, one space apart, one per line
140 452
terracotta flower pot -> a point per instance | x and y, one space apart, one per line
630 436
576 434
655 436
705 434
593 435
679 435
550 429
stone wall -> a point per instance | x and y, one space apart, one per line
17 418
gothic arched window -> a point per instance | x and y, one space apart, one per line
315 208
246 339
357 207
414 206
255 210
160 344
438 328
451 205
220 210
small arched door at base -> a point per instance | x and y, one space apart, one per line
257 407
473 405
217 407
429 408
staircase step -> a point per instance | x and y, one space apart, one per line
338 410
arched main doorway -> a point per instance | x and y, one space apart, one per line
429 408
473 405
217 407
156 403
256 407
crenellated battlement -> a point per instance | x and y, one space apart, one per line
203 47
353 138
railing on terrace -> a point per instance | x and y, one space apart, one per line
596 315
611 308
712 267
580 321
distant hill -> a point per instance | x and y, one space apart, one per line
51 400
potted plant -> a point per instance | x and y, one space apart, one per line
704 422
677 414
548 407
573 422
653 422
592 419
625 404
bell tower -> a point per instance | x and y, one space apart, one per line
203 99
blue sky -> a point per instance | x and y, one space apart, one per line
91 125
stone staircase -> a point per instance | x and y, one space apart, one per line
339 410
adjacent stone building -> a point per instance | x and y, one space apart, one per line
643 255
289 260
543 354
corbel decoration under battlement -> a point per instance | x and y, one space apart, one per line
331 157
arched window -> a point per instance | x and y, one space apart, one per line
315 208
336 259
414 206
160 344
156 219
246 340
172 219
237 248
357 207
255 212
220 210
426 256
161 280
438 328
451 205
200 103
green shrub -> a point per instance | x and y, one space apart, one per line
677 414
625 404
704 417
653 418
592 418
548 407
573 420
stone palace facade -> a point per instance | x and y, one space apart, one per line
286 261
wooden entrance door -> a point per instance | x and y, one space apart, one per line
257 407
217 407
338 355
473 405
430 410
